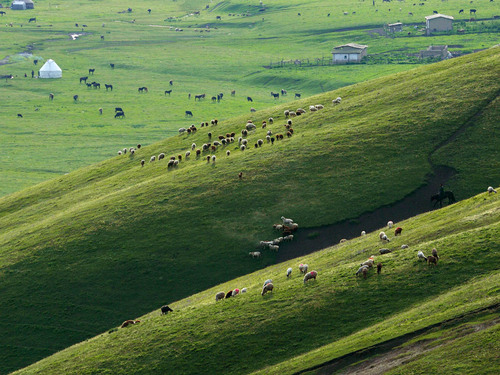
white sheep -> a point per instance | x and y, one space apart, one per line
491 190
132 151
271 120
336 101
274 247
250 126
219 296
405 246
363 233
253 110
124 150
193 146
421 255
289 272
213 159
277 241
268 281
267 288
310 275
268 138
228 153
161 156
383 237
278 227
303 268
153 158
312 108
188 154
255 254
182 130
368 262
176 163
265 244
288 238
319 106
119 152
243 147
244 290
300 110
286 113
235 292
390 224
286 221
244 142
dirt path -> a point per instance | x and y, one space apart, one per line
382 357
308 240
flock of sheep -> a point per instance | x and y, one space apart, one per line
224 140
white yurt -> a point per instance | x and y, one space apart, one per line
50 70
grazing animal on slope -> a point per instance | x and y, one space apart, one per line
165 309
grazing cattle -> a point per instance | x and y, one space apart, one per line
472 11
32 20
2 13
199 97
96 85
91 71
83 79
108 87
51 96
120 114
165 309
214 98
435 11
75 97
189 113
19 115
168 92
275 95
297 95
249 99
142 89
112 65
89 85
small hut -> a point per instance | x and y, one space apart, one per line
438 22
18 5
349 53
395 27
50 70
29 4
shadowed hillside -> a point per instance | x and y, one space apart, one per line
115 240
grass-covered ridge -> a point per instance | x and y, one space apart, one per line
336 315
113 240
59 136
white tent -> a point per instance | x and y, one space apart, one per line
50 70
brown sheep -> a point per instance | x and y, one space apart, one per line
432 259
240 175
126 323
198 152
365 272
398 231
435 253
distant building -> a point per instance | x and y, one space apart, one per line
349 53
18 5
435 51
438 22
395 27
50 70
29 4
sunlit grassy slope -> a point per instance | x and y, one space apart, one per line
301 326
116 240
209 56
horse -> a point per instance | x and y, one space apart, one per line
199 97
297 95
143 89
83 79
96 85
249 99
91 71
120 114
439 199
108 87
168 92
32 20
189 113
275 95
472 11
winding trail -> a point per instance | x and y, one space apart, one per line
309 240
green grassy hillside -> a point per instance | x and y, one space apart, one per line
300 326
57 137
116 240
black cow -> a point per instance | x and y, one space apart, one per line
165 309
189 113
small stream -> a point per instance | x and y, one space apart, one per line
308 240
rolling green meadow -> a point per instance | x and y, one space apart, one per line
89 238
209 56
